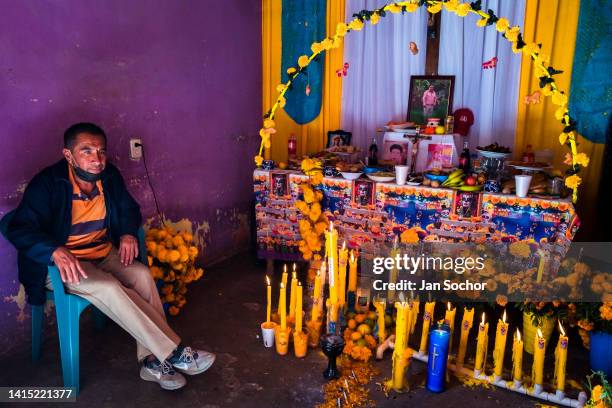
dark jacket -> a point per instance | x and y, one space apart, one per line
43 219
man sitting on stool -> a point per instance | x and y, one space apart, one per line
78 214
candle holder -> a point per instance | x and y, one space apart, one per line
332 346
267 333
300 344
281 340
314 332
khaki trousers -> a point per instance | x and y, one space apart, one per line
128 295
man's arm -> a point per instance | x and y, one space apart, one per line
27 229
129 221
129 210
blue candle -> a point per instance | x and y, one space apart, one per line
439 339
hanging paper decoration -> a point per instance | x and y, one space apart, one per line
413 48
533 98
343 71
490 63
303 23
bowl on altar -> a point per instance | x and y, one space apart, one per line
381 177
351 176
437 177
368 170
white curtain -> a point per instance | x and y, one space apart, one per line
491 94
375 90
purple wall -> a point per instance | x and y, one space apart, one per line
185 76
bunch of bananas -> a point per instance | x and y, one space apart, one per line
456 180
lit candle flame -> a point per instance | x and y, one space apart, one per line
319 273
343 245
294 267
285 268
448 305
540 333
518 335
561 328
504 317
483 319
268 280
331 226
299 283
282 286
352 257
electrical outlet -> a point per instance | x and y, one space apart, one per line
135 149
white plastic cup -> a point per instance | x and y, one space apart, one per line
522 184
267 333
401 174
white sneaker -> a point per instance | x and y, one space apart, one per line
190 361
163 374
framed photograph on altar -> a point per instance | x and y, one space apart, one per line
279 184
336 138
363 192
430 96
395 151
439 156
467 204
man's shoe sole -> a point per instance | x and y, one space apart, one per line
145 375
199 371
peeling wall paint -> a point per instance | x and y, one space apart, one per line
165 73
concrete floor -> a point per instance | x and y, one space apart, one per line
223 315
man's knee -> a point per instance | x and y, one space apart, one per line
141 274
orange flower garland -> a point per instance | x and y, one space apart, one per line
512 34
313 222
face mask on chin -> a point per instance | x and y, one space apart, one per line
86 175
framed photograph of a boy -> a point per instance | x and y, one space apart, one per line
430 96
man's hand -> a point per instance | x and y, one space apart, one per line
128 249
70 268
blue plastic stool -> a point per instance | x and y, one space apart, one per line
68 308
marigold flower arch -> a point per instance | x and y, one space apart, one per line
513 34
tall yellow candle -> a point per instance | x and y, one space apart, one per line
380 310
283 307
284 282
561 360
482 345
331 247
401 329
294 283
427 317
352 283
269 300
393 272
517 357
414 313
466 324
298 308
539 348
500 346
449 319
343 259
316 298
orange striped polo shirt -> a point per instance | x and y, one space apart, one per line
88 238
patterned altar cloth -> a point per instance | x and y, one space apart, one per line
366 212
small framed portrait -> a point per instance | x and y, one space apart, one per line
430 96
363 192
395 151
337 138
439 156
467 204
279 184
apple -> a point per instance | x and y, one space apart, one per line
470 180
440 130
